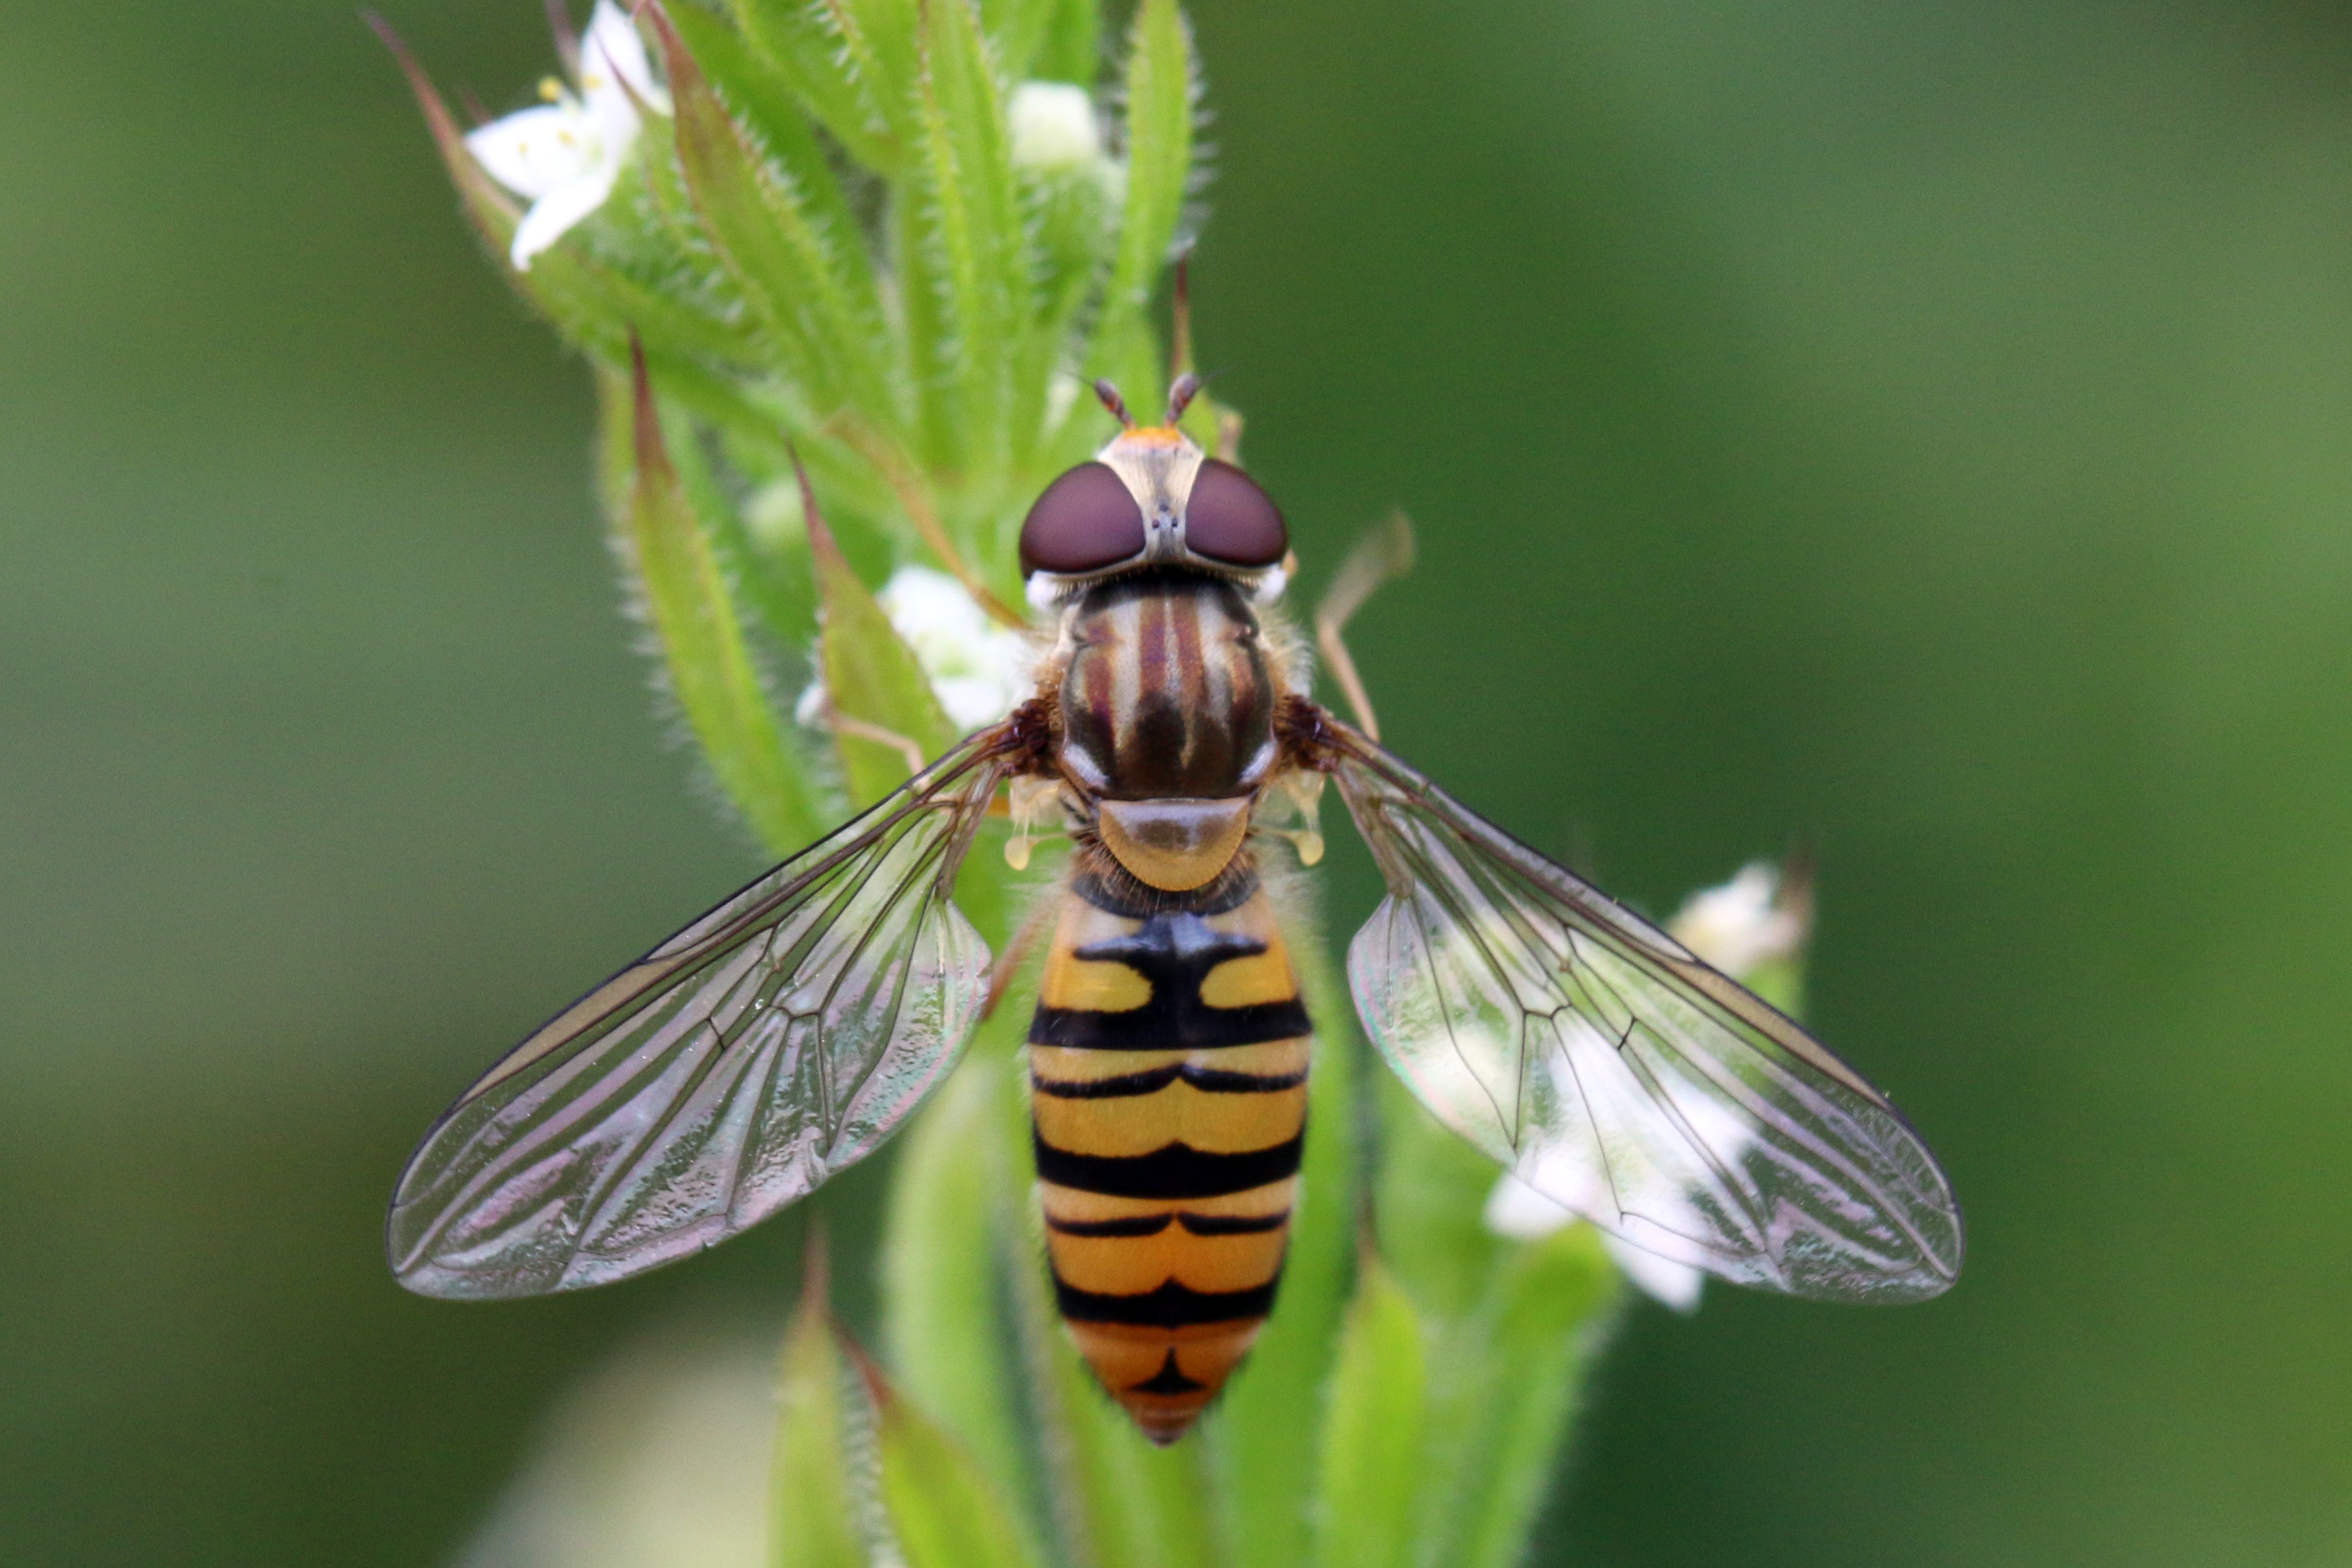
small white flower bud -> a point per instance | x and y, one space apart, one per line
1742 925
775 515
1054 128
979 668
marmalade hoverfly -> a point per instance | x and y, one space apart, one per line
787 1033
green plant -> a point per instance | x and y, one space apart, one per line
888 242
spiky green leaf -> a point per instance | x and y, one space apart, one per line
943 1506
1374 1429
871 675
1514 1370
820 53
942 1325
1069 47
1158 140
973 216
763 98
813 1518
808 286
692 611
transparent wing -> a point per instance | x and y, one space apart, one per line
1615 1073
771 1042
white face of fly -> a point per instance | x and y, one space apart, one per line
1157 466
1176 506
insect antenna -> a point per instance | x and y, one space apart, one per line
1187 387
1106 390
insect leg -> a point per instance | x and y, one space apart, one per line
841 723
1385 552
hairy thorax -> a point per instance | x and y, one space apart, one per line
1168 698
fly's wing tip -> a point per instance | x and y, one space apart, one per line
440 1284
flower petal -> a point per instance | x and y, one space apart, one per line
557 211
1053 127
1516 1212
1670 1284
537 151
1741 925
978 670
612 54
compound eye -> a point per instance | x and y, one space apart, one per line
1086 521
1229 518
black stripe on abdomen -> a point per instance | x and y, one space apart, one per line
1175 952
1128 1085
1176 1170
1172 1306
1141 1226
1178 1022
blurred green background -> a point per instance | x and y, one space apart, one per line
1922 431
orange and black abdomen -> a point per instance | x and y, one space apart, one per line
1168 1068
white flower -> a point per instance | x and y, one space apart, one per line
564 157
1054 127
1518 1212
979 668
1647 1176
1742 925
1737 928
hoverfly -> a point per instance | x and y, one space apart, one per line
787 1033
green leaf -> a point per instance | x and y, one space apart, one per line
917 264
692 611
1016 29
1070 48
775 587
973 215
763 98
1515 1370
946 1336
820 313
1070 212
880 41
1159 102
1265 1427
871 675
941 1505
1144 1506
813 1518
1373 1431
1431 1193
1068 215
821 53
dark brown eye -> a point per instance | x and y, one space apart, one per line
1086 521
1229 518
